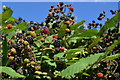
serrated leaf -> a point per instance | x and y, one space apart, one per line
6 14
12 19
82 64
10 72
73 27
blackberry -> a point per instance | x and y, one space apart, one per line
55 25
57 17
19 19
52 6
61 9
18 59
61 3
24 21
56 43
31 70
17 47
30 40
93 21
101 15
47 25
35 27
62 18
19 35
47 21
31 22
66 19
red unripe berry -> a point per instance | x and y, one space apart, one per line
9 26
42 39
11 41
72 8
55 36
62 48
46 31
67 22
100 74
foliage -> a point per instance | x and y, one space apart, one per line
59 48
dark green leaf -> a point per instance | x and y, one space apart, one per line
88 33
9 30
10 72
5 49
82 64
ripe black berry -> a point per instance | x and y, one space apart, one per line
57 43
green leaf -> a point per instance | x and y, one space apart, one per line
5 49
38 43
110 49
6 14
38 32
59 55
85 74
82 64
49 39
49 61
111 57
10 35
68 52
12 19
114 45
79 30
22 26
73 27
9 30
10 72
109 24
38 37
71 53
88 33
62 31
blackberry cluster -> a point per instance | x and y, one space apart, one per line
29 39
57 43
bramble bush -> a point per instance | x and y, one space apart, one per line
60 48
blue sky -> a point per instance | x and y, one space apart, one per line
37 11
